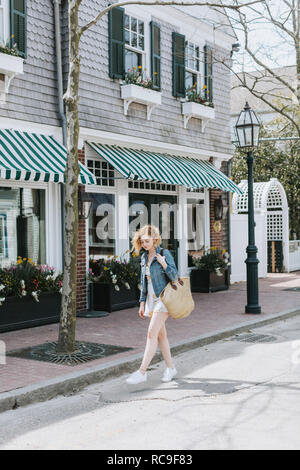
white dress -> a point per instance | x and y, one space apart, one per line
153 303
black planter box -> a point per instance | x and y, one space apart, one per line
205 281
105 297
16 313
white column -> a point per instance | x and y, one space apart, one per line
53 230
182 232
285 239
122 219
207 218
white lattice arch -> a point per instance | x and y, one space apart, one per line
267 196
270 199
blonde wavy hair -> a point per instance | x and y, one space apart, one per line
151 231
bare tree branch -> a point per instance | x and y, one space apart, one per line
243 21
277 109
236 6
277 23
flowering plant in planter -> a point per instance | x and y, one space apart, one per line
136 76
116 270
6 49
212 260
25 278
201 97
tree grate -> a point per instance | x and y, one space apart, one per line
84 352
255 338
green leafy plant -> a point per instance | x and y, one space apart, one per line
116 270
25 278
136 76
212 260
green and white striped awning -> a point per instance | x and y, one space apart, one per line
25 156
171 169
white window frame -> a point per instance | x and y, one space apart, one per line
4 8
52 221
200 72
184 195
116 191
131 12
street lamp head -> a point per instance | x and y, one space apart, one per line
85 202
218 208
247 129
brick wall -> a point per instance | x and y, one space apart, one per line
226 203
216 238
81 257
221 239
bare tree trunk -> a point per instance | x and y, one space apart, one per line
66 339
297 47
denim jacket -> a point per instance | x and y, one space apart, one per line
157 273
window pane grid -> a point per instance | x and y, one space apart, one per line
151 186
103 172
192 56
193 75
195 190
134 32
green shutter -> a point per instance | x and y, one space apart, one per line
178 64
208 72
116 43
18 25
155 55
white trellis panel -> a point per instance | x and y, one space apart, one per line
269 200
275 226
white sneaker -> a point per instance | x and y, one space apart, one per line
169 374
136 378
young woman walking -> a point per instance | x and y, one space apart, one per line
156 268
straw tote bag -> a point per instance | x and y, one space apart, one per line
177 297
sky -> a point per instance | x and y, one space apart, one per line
272 48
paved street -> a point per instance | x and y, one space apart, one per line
228 395
213 312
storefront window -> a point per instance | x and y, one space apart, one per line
196 228
102 226
159 210
22 225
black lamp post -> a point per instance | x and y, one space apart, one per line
247 130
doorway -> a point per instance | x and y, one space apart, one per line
158 210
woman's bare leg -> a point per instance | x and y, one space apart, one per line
164 346
157 321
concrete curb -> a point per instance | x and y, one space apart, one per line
72 383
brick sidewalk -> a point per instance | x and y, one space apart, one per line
213 312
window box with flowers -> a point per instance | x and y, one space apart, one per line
199 106
211 271
137 88
30 295
114 283
10 66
